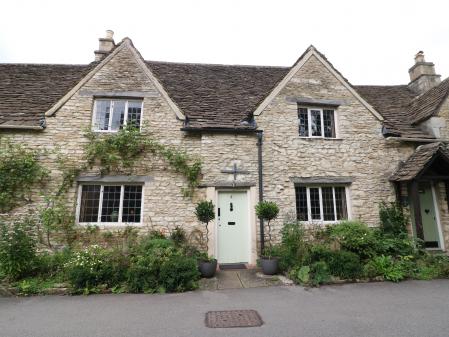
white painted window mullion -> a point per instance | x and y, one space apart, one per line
309 208
335 203
100 206
320 193
125 117
322 122
120 209
111 114
309 118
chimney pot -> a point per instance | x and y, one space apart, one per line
419 57
109 34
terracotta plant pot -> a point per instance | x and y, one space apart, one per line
207 268
270 265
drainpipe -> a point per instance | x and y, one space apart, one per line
260 167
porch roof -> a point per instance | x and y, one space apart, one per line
420 160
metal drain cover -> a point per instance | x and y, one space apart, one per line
233 319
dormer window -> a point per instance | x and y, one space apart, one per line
316 122
113 114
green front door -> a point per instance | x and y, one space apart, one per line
429 219
233 227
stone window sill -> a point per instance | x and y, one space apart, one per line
319 138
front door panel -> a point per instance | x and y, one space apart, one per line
233 227
429 222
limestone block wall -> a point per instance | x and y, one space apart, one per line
359 151
164 204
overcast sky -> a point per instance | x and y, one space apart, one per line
370 42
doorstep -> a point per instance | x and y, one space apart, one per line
241 278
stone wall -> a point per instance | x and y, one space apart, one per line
359 151
164 204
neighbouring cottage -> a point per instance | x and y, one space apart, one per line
303 136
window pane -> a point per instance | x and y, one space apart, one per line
301 203
102 114
90 199
340 199
132 203
303 122
111 203
315 116
118 115
315 203
328 204
134 113
329 124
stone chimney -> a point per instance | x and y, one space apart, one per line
106 44
422 75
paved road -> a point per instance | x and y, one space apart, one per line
414 308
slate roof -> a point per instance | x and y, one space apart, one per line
418 160
217 96
392 103
27 91
211 96
428 104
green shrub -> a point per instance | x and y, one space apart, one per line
179 273
345 265
178 236
320 273
17 250
205 212
396 245
392 218
355 237
52 264
294 249
387 267
300 274
161 268
94 267
320 252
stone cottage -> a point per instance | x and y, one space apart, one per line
303 136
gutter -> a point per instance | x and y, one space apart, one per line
422 140
260 174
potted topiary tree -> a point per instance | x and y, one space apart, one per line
268 210
205 212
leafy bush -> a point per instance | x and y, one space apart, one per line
52 264
17 250
355 237
300 274
345 265
267 210
94 267
320 273
392 218
205 212
178 236
162 267
387 267
19 171
294 247
396 245
179 273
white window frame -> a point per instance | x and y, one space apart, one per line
321 220
309 119
95 128
100 205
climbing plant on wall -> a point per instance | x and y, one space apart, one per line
121 151
20 170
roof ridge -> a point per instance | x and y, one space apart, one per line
46 64
218 64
